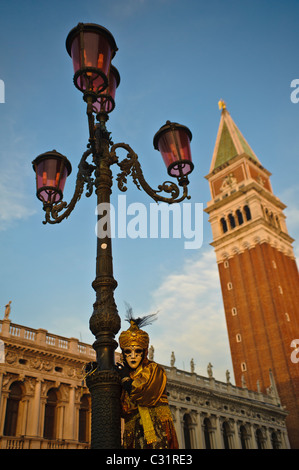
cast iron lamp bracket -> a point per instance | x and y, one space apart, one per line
129 166
85 171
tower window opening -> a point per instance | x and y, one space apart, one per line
243 366
234 311
232 221
238 338
247 213
239 217
223 225
229 286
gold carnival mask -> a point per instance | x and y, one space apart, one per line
135 339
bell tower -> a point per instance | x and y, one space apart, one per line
257 269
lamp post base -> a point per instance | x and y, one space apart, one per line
105 390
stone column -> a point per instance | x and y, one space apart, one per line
23 416
179 428
232 437
33 410
43 401
252 438
70 416
237 441
218 436
60 430
193 434
200 434
268 443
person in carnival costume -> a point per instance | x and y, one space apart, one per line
145 409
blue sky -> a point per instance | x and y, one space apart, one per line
176 60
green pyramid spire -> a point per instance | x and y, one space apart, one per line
230 142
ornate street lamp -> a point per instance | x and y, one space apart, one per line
92 48
52 169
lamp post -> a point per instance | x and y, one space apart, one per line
92 48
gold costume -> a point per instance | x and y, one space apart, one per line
145 409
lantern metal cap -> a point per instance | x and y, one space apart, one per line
169 126
54 154
92 28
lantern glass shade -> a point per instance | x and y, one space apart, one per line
173 141
106 101
92 48
52 169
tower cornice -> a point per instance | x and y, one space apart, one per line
244 189
257 232
232 161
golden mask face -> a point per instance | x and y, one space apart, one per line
133 355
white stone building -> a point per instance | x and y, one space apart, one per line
44 403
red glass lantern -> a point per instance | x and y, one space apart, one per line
92 48
52 169
106 101
173 141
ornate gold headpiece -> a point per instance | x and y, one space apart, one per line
134 335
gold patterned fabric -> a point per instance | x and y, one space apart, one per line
148 420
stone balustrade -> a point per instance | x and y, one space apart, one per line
210 383
43 339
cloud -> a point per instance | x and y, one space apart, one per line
127 8
191 318
16 176
15 204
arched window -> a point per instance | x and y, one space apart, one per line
225 434
247 213
239 217
50 415
12 408
83 419
207 433
223 225
271 219
274 441
259 439
187 431
243 437
231 220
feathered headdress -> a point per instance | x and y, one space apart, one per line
134 335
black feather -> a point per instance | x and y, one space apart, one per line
140 321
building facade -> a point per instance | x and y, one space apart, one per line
257 269
44 403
